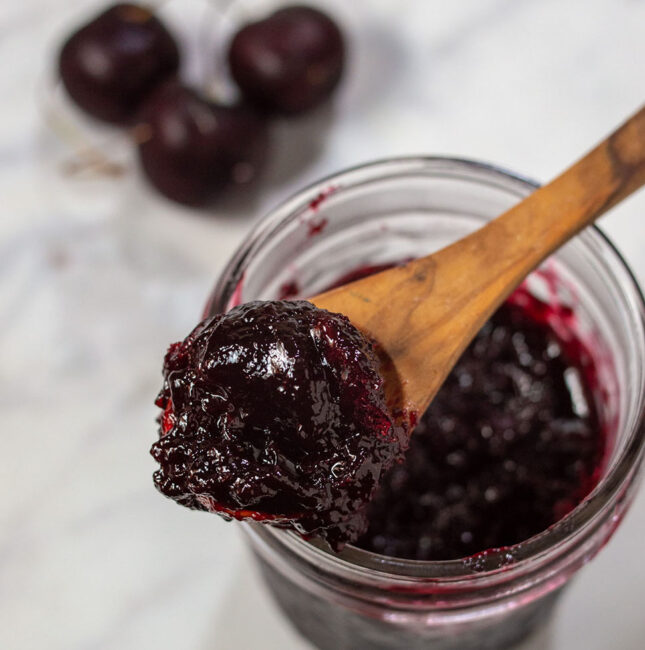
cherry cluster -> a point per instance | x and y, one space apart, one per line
122 67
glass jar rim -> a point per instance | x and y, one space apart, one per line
609 488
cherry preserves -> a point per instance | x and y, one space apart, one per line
275 411
511 443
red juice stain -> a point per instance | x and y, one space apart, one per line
316 227
323 195
288 290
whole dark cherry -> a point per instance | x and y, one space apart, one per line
111 64
191 148
289 62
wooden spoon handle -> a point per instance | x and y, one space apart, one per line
424 314
554 213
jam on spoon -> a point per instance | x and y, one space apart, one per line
275 411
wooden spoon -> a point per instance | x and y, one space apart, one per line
424 314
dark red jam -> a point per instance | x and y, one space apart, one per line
275 411
511 443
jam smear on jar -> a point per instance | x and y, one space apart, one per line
275 411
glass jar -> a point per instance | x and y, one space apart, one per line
386 212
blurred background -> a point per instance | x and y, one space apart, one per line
100 272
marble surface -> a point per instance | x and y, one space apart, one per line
98 275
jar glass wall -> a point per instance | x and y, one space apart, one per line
387 212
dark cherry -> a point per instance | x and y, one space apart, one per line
289 62
111 64
191 148
275 411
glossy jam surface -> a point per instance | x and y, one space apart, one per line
510 444
275 411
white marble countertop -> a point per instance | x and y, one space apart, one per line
98 276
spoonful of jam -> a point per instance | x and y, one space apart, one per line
276 412
288 412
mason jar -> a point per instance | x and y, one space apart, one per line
394 210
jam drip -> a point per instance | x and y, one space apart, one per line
275 411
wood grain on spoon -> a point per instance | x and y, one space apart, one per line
424 314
